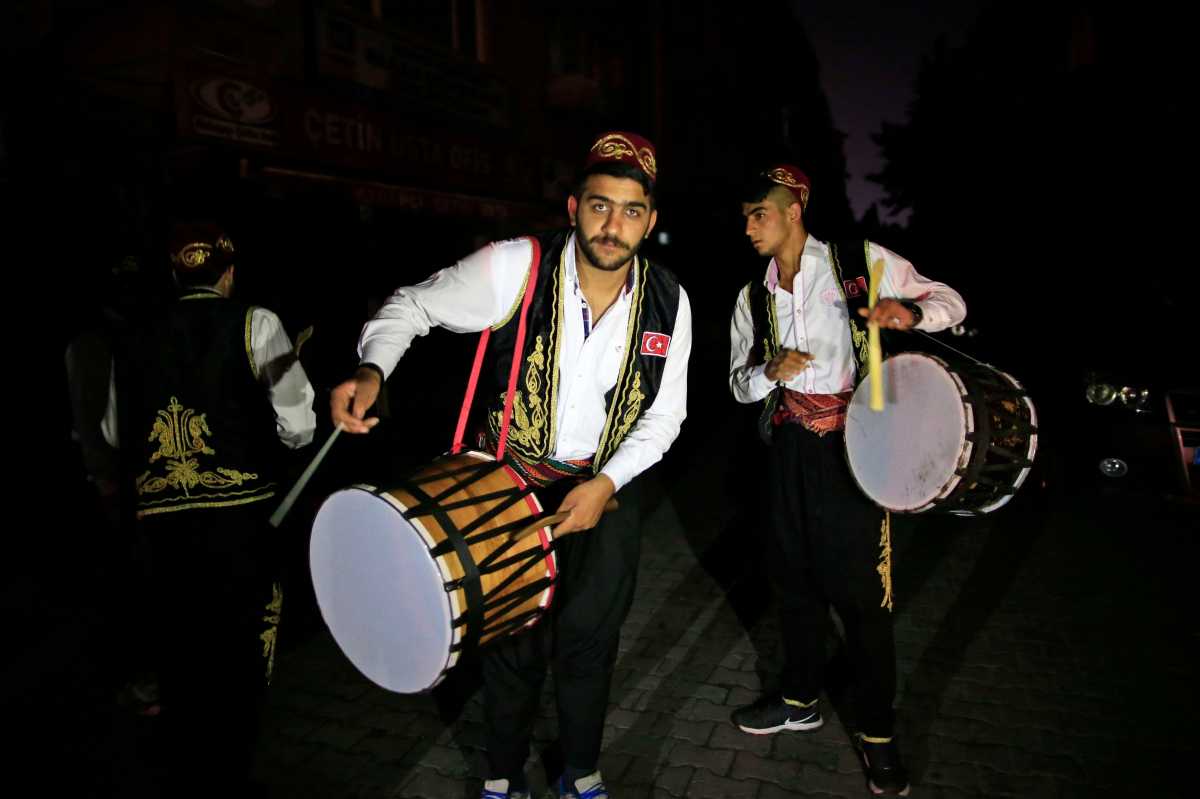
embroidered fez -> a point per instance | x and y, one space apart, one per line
626 148
793 179
195 246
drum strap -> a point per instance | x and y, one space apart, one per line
518 349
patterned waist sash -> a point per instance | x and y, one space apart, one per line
548 470
818 413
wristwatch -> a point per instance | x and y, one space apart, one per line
915 310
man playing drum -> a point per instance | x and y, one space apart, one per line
601 395
799 342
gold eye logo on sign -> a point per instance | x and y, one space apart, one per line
235 100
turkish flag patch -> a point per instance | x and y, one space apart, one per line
855 287
655 344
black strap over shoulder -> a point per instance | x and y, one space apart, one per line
851 269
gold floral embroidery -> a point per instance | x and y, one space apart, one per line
180 435
532 427
614 145
784 178
633 409
270 635
196 253
528 420
861 342
885 560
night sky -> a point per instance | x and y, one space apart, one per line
869 54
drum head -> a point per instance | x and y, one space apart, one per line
380 591
905 456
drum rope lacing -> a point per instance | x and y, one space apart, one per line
483 607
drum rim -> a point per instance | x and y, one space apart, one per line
1030 456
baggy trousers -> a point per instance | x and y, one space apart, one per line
829 545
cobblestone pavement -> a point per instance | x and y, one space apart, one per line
1043 652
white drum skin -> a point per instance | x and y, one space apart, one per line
380 592
905 456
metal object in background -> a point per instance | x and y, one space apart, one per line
1183 416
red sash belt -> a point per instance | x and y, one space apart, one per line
819 413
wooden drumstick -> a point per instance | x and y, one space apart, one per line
290 499
553 519
874 350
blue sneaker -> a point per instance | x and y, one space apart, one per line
498 789
589 787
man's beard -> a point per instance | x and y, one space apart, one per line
608 266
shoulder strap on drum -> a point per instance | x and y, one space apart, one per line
518 348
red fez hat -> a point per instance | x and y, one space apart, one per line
627 148
791 178
195 245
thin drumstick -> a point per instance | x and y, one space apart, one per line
874 350
290 499
553 519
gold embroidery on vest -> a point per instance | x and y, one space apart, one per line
634 408
862 353
532 426
249 348
885 560
258 495
180 435
270 635
558 309
528 421
771 340
628 378
859 339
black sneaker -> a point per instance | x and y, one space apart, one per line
775 714
885 773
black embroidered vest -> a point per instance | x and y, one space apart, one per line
851 272
532 432
193 416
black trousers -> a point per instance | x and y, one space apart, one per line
578 637
218 606
829 545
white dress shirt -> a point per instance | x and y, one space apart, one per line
482 290
278 370
815 319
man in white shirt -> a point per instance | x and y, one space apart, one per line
206 400
602 392
799 345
